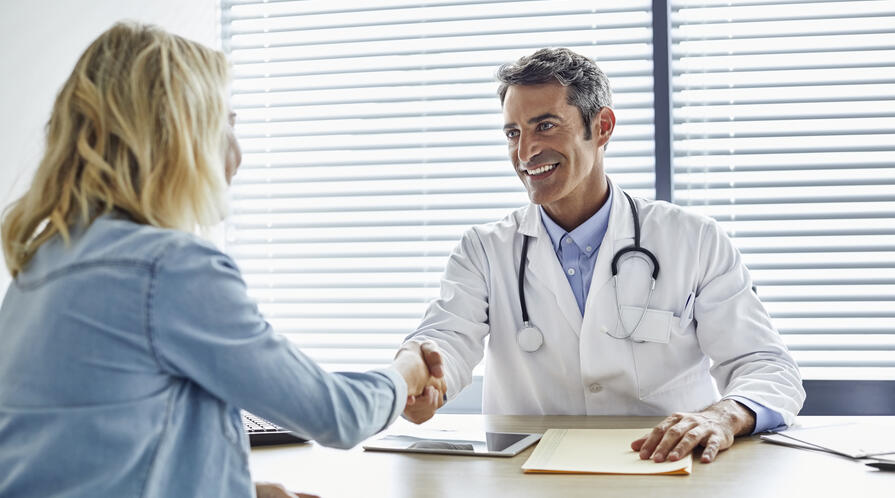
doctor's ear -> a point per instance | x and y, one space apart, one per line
603 125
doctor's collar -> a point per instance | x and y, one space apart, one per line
588 234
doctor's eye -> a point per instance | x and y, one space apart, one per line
545 125
511 134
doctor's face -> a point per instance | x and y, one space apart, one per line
560 169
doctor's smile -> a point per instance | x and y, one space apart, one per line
541 166
540 171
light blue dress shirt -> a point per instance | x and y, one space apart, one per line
577 250
577 253
126 356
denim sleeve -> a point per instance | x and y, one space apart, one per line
765 418
204 327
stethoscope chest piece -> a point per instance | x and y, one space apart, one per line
530 339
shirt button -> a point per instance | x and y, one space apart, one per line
588 248
595 388
571 271
567 240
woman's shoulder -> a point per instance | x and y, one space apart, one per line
120 243
111 237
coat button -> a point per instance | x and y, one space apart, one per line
595 388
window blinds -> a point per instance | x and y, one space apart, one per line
372 140
784 131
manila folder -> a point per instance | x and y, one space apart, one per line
597 451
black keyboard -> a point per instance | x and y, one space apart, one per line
263 432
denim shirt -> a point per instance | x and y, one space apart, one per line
126 356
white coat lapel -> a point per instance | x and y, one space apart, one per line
619 234
544 268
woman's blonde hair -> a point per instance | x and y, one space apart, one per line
139 127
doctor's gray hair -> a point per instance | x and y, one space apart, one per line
588 86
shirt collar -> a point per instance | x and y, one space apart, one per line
590 233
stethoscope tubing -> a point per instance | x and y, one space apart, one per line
529 345
522 280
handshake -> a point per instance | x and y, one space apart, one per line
420 365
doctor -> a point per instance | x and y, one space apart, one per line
678 332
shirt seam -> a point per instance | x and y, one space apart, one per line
76 267
150 296
158 443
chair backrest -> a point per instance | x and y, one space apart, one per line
849 397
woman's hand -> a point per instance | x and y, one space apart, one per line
422 368
272 490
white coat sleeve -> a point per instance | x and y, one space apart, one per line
735 331
457 322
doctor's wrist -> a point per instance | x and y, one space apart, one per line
735 415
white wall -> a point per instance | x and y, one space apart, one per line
40 41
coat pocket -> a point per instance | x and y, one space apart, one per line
655 326
664 353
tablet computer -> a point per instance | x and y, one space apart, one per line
502 444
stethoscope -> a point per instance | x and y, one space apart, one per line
530 338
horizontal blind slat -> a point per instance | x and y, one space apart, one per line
783 132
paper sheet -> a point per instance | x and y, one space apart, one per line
854 440
597 451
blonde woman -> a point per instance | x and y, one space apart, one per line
129 344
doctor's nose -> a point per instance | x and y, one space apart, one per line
526 149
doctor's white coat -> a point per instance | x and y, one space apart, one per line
705 330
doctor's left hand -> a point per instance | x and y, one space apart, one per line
713 428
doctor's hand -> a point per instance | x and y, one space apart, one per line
713 428
422 368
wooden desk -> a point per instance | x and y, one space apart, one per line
751 468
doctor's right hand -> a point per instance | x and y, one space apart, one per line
421 366
425 398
